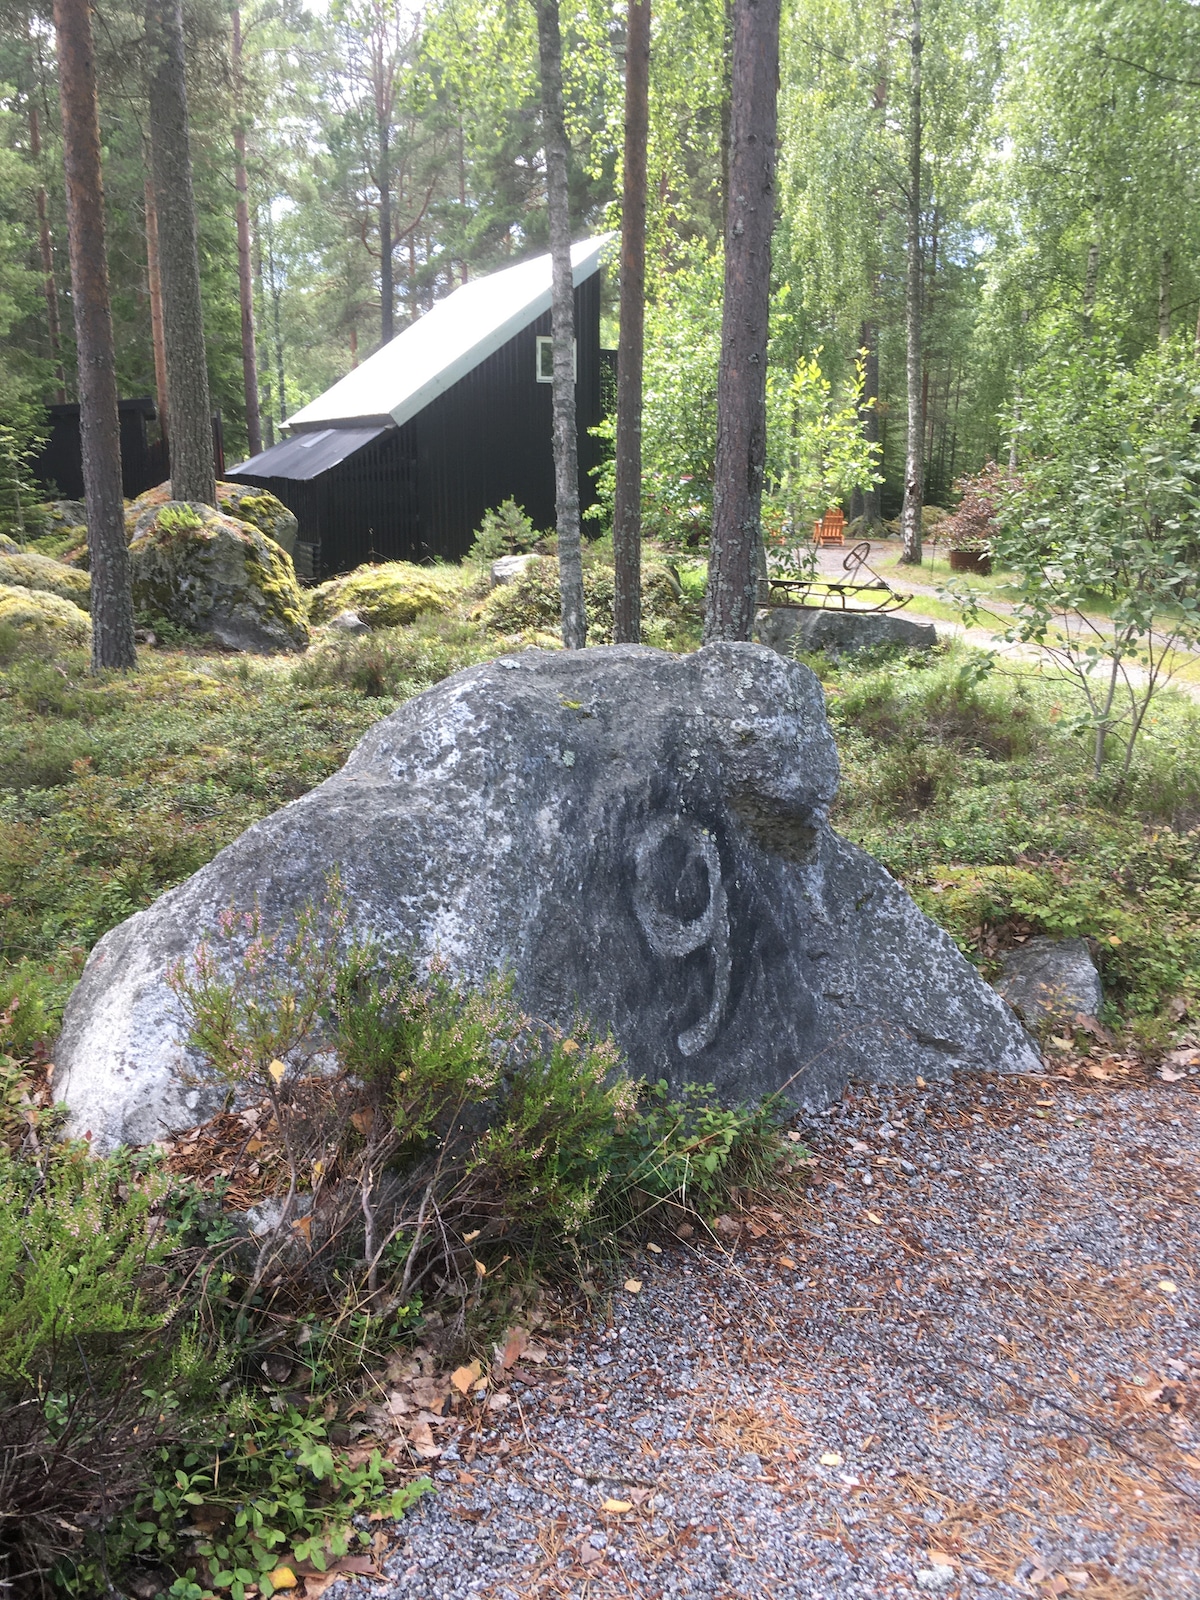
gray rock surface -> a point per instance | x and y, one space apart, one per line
509 568
792 628
348 622
639 837
1050 980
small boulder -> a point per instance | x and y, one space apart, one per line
636 836
1050 981
209 573
38 612
27 570
808 629
509 568
389 595
9 547
348 622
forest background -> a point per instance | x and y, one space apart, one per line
1058 160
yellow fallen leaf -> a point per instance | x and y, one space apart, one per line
569 1046
277 1070
617 1505
873 1216
480 1270
788 1263
463 1377
282 1578
470 1238
831 1458
938 1558
1167 1286
634 1285
1113 940
655 1249
920 1083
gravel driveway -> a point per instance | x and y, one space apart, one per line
965 1360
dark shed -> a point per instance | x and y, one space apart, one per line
402 457
60 462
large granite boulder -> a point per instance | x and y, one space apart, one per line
640 837
258 507
793 629
209 573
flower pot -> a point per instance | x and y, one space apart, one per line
979 561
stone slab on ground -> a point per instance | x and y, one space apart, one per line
641 838
789 629
1051 980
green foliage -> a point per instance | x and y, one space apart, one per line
393 664
177 516
506 531
269 1490
531 603
387 596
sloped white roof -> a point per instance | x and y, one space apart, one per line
441 347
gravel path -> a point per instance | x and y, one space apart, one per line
964 1360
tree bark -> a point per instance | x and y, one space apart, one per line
245 272
1164 298
192 474
154 283
562 323
914 463
627 507
869 418
387 291
742 378
46 247
1090 278
112 601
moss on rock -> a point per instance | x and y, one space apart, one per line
37 611
532 601
9 547
213 574
387 596
27 569
57 528
255 506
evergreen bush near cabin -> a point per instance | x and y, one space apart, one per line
505 531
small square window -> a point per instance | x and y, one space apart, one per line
545 358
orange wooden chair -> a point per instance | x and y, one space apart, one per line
830 528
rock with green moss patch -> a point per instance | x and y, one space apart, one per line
9 547
255 506
26 569
212 574
38 611
532 600
387 596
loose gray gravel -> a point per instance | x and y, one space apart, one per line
965 1360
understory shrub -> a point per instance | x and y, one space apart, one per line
532 602
504 531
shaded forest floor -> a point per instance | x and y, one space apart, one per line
965 1360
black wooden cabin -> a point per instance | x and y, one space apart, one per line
370 480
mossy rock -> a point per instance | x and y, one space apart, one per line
387 596
37 611
533 601
29 570
56 527
255 506
213 574
9 547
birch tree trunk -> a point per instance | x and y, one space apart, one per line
914 462
387 277
627 506
192 475
245 272
562 323
99 424
742 379
1164 298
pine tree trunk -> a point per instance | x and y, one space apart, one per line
562 323
387 288
112 602
154 284
192 474
870 420
914 464
46 247
733 567
1164 298
245 272
627 507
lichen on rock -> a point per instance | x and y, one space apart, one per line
26 569
212 574
259 508
389 595
38 611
